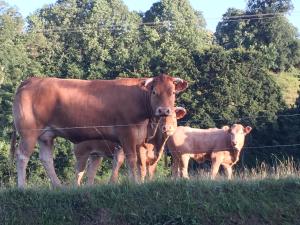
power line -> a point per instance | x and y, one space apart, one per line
166 23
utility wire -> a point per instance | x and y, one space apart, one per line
166 23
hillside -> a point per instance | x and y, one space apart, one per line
266 201
289 82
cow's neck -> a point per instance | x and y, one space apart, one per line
147 102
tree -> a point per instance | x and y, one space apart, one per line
232 86
269 6
85 39
233 33
15 66
15 63
263 27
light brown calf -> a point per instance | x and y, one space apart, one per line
148 155
220 146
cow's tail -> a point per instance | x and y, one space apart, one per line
13 141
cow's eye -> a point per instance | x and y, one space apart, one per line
153 92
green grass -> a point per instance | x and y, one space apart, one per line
262 201
289 82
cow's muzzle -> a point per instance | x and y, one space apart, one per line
163 111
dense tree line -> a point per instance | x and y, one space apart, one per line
102 39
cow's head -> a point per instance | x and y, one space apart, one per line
237 135
162 91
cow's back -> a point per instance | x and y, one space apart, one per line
70 107
192 140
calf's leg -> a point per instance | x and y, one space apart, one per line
183 166
228 171
118 160
81 160
94 162
215 165
175 167
151 170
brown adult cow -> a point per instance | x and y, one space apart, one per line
220 146
95 150
79 110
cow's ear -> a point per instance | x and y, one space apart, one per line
148 82
180 85
247 130
180 112
226 128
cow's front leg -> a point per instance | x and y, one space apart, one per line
94 162
132 161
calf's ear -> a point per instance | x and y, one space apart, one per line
180 112
180 84
247 130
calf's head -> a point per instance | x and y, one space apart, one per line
168 124
237 135
162 128
162 91
165 126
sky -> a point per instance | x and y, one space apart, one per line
211 9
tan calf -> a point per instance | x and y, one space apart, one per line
220 146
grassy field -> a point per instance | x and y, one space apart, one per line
197 201
289 83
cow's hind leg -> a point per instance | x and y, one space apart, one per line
46 158
94 162
25 149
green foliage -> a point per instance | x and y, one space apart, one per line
269 6
263 27
92 40
232 86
